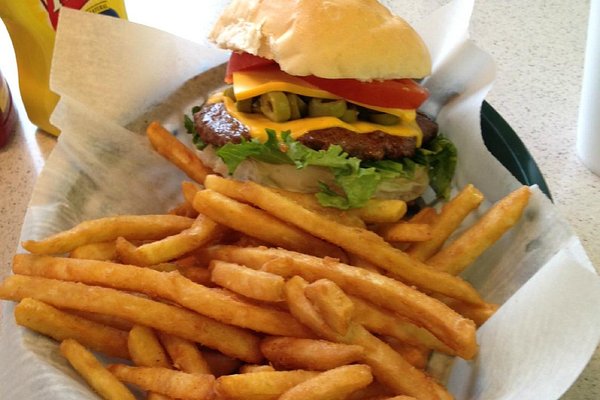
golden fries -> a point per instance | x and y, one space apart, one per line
185 354
335 383
264 385
294 322
131 227
145 349
387 365
250 368
362 242
248 282
332 303
453 213
202 231
257 223
104 251
382 322
230 340
173 150
232 188
311 354
459 254
84 362
406 232
170 286
60 325
379 211
456 332
171 383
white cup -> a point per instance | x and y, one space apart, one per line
588 131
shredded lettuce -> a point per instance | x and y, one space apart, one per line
355 181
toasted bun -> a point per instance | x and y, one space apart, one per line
358 39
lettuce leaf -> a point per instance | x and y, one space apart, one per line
440 157
356 181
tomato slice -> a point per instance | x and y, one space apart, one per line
394 93
242 61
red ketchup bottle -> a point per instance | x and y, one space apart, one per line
8 115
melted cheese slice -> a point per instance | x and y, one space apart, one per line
258 123
248 84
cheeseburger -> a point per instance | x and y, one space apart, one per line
324 99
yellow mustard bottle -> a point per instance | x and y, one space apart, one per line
31 25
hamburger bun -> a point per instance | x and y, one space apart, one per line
357 39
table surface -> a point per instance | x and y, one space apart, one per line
539 50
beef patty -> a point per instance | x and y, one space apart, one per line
216 126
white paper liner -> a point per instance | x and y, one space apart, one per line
103 165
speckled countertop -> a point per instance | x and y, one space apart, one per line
538 46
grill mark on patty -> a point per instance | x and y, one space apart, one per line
216 126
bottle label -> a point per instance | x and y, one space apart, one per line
107 7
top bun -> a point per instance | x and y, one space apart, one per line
358 39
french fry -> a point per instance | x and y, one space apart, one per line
302 309
451 216
405 232
248 282
426 215
364 243
415 355
105 251
195 274
189 190
131 227
104 319
265 385
335 383
146 351
449 327
176 384
202 232
230 340
257 223
101 380
250 368
170 286
378 211
145 348
386 364
310 354
60 326
232 189
478 313
185 354
502 216
382 322
332 304
179 154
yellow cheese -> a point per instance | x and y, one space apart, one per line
248 84
252 83
257 123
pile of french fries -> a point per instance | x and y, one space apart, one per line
247 292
